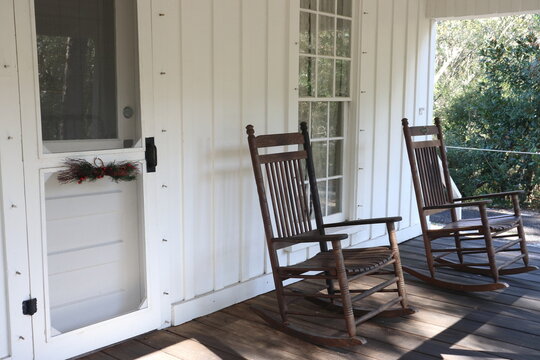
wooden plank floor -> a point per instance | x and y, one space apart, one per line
501 324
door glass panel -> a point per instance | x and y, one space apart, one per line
325 73
87 74
94 252
307 29
326 35
334 196
343 40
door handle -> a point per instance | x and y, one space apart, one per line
150 155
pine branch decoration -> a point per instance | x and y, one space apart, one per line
80 170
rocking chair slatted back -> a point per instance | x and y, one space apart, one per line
428 177
289 198
433 189
283 173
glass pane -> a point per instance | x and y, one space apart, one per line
344 7
328 6
308 4
334 196
79 81
325 76
321 186
303 112
343 41
319 120
306 77
319 149
335 124
308 28
326 35
335 158
343 71
94 251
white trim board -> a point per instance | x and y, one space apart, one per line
217 300
206 304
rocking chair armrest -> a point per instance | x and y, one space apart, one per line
457 205
364 222
485 196
311 238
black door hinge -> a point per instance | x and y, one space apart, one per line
150 155
29 307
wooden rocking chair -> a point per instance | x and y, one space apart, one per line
434 195
290 218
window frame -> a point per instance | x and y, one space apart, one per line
349 127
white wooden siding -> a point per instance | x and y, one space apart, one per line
234 69
394 83
4 330
222 64
475 8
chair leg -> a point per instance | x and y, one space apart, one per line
457 238
429 254
282 304
521 232
523 243
457 241
343 282
397 265
489 244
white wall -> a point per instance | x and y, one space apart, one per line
4 335
222 64
475 8
227 63
395 77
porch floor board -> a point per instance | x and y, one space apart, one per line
451 325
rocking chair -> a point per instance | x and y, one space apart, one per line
434 194
290 217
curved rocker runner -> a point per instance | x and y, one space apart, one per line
289 215
490 237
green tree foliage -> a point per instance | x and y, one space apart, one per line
494 103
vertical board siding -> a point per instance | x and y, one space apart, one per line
381 120
397 100
198 133
366 107
469 8
167 109
254 111
227 151
394 83
234 68
407 195
4 330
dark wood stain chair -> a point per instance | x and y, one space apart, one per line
433 195
289 216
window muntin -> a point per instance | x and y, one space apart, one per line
324 91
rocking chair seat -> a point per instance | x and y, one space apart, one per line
497 224
357 261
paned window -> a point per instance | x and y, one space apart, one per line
324 91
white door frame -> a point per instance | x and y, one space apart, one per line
19 99
12 190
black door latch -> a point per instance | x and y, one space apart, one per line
29 307
150 155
